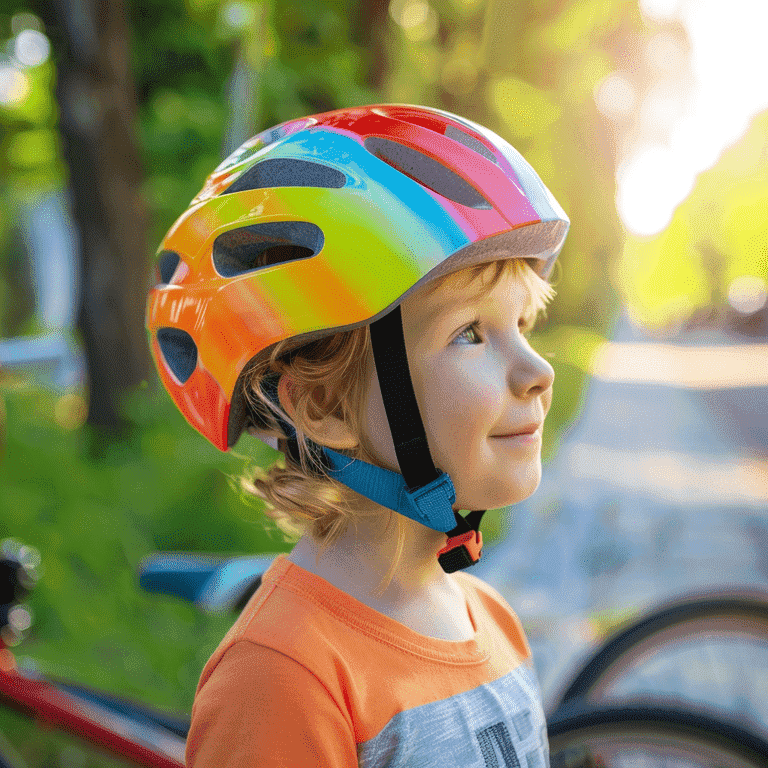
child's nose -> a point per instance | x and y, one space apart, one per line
530 375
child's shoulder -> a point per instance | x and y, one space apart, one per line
278 619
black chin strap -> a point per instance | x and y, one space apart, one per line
465 541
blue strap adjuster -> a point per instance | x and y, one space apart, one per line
430 505
434 503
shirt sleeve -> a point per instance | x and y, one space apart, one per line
261 709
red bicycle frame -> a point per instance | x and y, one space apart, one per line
90 721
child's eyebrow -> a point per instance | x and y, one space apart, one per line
468 297
450 306
467 293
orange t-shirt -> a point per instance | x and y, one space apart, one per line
310 676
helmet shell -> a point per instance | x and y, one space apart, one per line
379 200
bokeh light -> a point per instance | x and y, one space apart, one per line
616 96
238 15
31 48
748 294
416 17
14 85
659 10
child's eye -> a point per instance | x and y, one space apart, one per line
471 334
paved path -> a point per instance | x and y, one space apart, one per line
661 487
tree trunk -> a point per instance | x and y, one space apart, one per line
368 26
98 109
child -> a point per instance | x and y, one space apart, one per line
355 288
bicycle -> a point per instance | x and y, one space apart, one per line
649 735
581 736
122 727
707 648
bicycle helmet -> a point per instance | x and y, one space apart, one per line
324 224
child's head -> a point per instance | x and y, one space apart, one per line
332 241
468 399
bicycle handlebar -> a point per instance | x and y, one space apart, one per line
213 583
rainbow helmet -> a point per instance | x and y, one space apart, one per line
324 224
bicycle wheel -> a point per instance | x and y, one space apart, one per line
618 736
707 649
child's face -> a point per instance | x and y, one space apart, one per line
474 385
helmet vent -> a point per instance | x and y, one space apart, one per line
262 245
287 172
179 351
167 264
426 171
470 142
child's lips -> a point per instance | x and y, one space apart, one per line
526 431
523 439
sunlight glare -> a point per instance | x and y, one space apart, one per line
651 184
615 96
726 55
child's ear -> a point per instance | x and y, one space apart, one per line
330 430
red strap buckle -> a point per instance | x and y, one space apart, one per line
461 551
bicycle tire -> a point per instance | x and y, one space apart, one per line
723 617
585 735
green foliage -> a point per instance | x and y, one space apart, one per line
317 66
161 487
180 72
30 156
38 107
300 59
529 111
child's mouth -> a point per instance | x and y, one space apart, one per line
528 430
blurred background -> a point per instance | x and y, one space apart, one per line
648 121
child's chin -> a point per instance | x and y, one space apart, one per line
501 497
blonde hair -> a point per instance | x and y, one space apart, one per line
301 498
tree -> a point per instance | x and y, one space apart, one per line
98 108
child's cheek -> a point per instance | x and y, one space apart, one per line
463 404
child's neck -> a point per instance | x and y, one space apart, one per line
357 563
435 607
